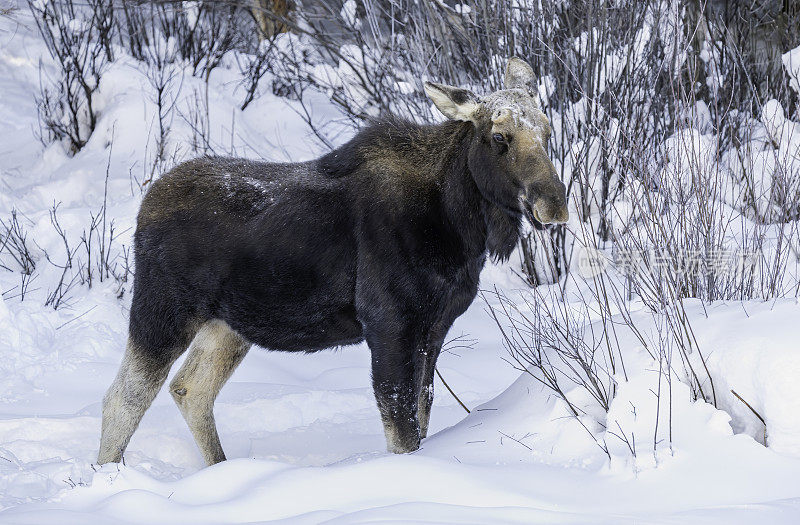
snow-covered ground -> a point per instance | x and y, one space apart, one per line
302 431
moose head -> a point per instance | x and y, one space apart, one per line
507 156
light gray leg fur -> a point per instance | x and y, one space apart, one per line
425 400
424 409
213 356
129 396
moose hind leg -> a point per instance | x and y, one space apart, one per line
213 356
138 381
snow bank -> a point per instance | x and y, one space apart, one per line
751 349
517 458
791 62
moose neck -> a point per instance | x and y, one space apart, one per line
482 225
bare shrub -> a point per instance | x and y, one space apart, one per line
563 352
97 256
14 244
253 67
684 187
78 37
165 77
59 295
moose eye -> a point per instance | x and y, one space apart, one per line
499 138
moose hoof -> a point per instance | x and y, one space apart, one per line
403 448
400 444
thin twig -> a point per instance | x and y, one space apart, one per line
451 390
753 410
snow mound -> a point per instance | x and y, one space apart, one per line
751 352
791 61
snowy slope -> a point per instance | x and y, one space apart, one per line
302 431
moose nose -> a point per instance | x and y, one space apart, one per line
550 203
550 212
561 216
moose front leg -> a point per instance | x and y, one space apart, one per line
433 348
424 405
425 400
397 393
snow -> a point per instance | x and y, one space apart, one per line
762 369
302 432
309 449
791 62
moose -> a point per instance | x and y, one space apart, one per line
381 240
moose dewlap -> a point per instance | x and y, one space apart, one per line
381 240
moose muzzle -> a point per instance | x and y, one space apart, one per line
548 204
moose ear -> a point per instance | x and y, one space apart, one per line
454 103
519 75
